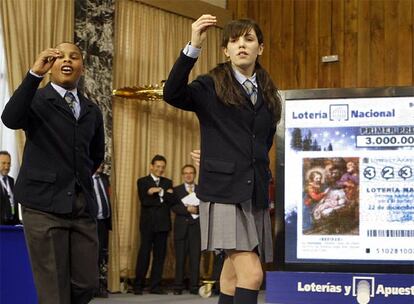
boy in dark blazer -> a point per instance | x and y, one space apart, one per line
187 241
64 147
155 195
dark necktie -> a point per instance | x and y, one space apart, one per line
251 91
104 201
157 182
71 100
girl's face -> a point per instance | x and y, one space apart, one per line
243 52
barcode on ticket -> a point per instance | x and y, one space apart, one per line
390 233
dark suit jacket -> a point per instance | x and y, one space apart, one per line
6 217
155 215
235 141
105 182
59 152
183 218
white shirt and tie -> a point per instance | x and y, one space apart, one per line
157 183
190 188
70 96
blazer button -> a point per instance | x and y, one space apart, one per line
254 135
69 193
253 160
249 182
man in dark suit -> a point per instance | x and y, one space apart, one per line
64 147
186 233
103 220
156 195
9 212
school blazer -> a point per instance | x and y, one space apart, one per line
6 217
183 218
235 141
155 215
59 152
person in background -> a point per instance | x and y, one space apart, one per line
9 211
103 219
64 147
238 107
187 241
155 193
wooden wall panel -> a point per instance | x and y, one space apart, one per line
287 44
325 31
337 42
376 67
299 43
391 42
405 42
350 52
312 44
373 38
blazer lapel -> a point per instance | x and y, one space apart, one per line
85 104
56 99
260 100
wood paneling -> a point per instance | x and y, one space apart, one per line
373 39
192 9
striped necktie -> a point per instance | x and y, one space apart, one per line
251 91
71 100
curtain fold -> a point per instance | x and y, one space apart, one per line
147 43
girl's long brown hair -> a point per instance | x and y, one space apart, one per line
226 86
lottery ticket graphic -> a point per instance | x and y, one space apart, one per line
355 173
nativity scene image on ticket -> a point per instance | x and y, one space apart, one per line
330 196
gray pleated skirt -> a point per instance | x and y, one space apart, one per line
236 226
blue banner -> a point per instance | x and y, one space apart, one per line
339 288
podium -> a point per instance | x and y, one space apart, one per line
16 279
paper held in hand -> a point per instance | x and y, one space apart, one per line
191 200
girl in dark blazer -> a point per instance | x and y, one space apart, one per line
238 107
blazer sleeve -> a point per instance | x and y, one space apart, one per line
177 91
179 207
270 138
17 111
147 200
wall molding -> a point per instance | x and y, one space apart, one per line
191 9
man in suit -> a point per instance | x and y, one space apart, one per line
186 233
103 220
156 195
64 147
9 212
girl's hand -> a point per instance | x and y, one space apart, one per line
195 155
199 28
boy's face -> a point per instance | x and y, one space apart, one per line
68 67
